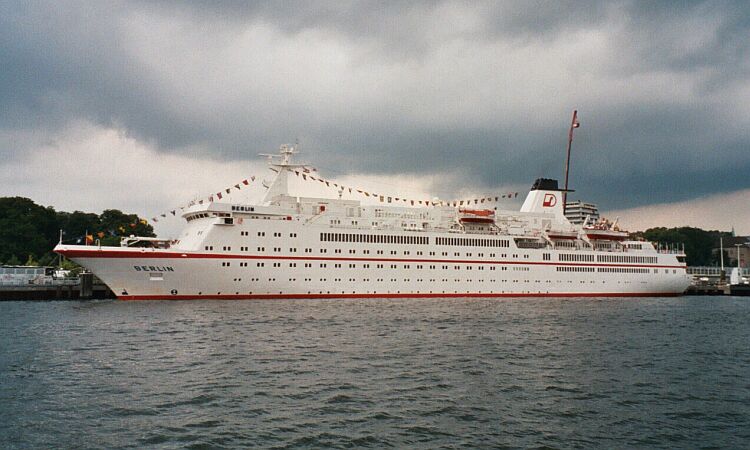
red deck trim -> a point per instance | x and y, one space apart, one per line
96 253
405 295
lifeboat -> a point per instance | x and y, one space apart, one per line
476 215
558 235
605 234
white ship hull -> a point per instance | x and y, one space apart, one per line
141 274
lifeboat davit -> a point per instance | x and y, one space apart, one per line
476 215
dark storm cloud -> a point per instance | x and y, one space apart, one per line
159 71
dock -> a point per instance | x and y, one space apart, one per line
82 288
706 289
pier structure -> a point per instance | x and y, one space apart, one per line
37 283
709 280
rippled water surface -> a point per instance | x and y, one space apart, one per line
427 373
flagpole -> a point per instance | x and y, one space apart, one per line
573 123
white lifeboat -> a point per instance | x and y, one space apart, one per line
476 215
560 235
605 234
605 230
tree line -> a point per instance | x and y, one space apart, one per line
699 244
29 232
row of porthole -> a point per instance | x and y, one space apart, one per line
394 280
174 292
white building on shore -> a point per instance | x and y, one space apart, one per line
577 211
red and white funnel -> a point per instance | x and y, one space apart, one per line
545 197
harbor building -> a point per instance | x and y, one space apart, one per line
734 248
577 211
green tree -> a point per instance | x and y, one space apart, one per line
116 224
75 225
32 230
25 228
30 261
48 259
699 244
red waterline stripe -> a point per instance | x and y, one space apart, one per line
166 255
406 295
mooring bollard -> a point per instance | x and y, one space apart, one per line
87 285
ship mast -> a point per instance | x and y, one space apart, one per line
573 124
281 163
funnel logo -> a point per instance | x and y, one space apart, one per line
549 200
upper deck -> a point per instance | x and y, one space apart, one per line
540 223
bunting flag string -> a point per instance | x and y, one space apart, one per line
387 199
306 176
219 195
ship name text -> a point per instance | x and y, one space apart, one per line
153 269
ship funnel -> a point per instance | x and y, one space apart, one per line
545 197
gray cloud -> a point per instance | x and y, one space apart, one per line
482 88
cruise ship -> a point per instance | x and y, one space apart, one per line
303 247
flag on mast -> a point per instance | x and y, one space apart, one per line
574 124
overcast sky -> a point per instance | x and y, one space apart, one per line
144 105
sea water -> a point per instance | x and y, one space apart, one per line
404 373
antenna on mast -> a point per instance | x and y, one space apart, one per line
573 124
282 164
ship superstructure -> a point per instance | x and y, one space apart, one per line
306 247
